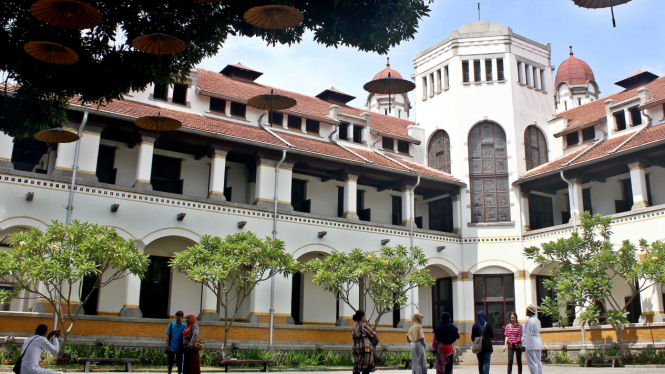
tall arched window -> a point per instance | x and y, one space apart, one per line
488 166
439 151
535 147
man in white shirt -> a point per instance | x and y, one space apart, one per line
532 345
33 347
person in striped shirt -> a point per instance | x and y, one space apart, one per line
513 334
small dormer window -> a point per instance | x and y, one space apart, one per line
180 94
620 120
276 119
161 91
572 139
294 122
636 116
588 134
388 144
403 147
238 110
312 126
344 130
357 134
217 105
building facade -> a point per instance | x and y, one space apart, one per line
494 163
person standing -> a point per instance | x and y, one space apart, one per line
445 334
531 342
513 333
416 339
484 330
363 350
33 347
192 364
174 348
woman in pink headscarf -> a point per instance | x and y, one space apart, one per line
192 365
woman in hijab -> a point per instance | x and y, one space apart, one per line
416 339
363 350
482 329
445 334
190 334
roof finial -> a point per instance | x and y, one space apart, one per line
571 50
388 63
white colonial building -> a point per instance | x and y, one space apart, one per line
501 159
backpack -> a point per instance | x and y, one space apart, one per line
478 342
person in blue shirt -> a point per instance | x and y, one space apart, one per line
174 348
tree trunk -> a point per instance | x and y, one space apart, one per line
618 329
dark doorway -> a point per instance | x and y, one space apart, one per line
340 201
165 175
397 210
155 287
541 214
442 299
541 293
105 161
27 153
441 215
296 298
299 196
90 307
363 214
495 294
396 315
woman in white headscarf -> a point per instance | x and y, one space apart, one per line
416 339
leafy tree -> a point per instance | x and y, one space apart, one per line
60 258
232 267
385 278
586 268
109 67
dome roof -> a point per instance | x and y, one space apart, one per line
574 71
384 72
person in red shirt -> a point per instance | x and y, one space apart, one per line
513 334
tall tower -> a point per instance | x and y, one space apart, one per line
575 84
398 105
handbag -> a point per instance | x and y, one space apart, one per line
17 365
198 345
478 342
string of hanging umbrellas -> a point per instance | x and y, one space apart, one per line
77 15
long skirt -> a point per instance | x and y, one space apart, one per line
445 358
418 359
191 364
533 358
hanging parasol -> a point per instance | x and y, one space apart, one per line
57 135
52 53
271 102
389 85
274 17
67 14
159 44
158 123
597 4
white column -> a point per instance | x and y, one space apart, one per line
525 293
130 307
88 152
524 208
638 183
65 159
651 301
459 296
265 184
576 202
259 302
217 172
41 305
208 306
412 303
350 197
457 213
144 162
345 311
406 205
6 149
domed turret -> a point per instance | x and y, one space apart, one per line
379 103
575 84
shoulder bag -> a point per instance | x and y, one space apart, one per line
478 342
17 365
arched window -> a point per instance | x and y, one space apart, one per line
535 147
488 166
439 151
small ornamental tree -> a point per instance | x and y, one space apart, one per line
385 278
232 267
586 266
60 258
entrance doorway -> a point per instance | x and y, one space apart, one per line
90 307
154 300
296 298
495 294
442 299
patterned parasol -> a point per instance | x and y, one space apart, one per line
159 44
158 123
271 102
274 17
597 4
57 135
52 53
389 85
67 14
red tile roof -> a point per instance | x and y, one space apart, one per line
554 164
306 105
592 112
574 71
384 73
133 109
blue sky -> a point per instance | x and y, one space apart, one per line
638 42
